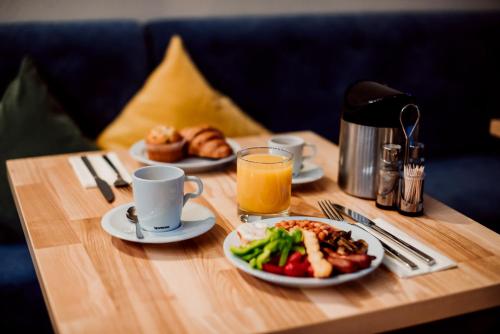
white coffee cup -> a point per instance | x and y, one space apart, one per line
294 145
159 196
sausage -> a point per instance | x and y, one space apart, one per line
342 266
321 267
361 261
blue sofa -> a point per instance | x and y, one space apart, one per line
289 73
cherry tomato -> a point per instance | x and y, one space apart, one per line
310 270
296 269
272 268
296 257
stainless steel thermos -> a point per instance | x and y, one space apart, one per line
370 119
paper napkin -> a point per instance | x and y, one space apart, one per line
442 262
101 167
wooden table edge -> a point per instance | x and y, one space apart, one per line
398 315
29 242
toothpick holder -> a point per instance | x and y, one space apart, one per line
411 196
411 187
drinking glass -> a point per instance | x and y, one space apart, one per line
264 181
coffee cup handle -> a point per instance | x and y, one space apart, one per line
313 149
197 180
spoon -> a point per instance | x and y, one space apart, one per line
132 217
120 182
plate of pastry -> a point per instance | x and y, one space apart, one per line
193 149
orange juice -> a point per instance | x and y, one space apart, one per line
264 183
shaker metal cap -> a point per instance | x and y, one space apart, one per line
391 152
416 150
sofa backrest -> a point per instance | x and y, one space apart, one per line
93 68
290 73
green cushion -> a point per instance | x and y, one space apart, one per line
32 123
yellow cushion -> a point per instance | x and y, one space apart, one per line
176 94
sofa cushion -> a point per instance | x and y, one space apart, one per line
469 184
176 94
31 123
290 73
93 68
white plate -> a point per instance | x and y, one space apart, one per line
374 248
310 172
195 220
190 164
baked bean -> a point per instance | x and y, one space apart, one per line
322 230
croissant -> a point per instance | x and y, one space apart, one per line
206 142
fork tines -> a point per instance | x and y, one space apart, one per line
330 211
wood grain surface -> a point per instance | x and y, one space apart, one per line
94 283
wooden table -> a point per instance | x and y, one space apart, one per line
95 283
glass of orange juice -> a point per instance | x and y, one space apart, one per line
264 181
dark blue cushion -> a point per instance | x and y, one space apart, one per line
93 68
16 268
290 73
21 302
469 184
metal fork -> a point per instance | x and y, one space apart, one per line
120 182
332 213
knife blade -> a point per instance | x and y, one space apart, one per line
370 224
101 184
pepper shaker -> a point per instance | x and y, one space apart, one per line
388 176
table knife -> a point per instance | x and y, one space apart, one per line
370 224
398 256
101 184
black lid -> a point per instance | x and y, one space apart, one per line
373 104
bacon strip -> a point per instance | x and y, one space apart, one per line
348 263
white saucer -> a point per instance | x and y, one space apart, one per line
196 220
190 164
309 173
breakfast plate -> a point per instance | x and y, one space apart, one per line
190 164
374 249
310 172
196 219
